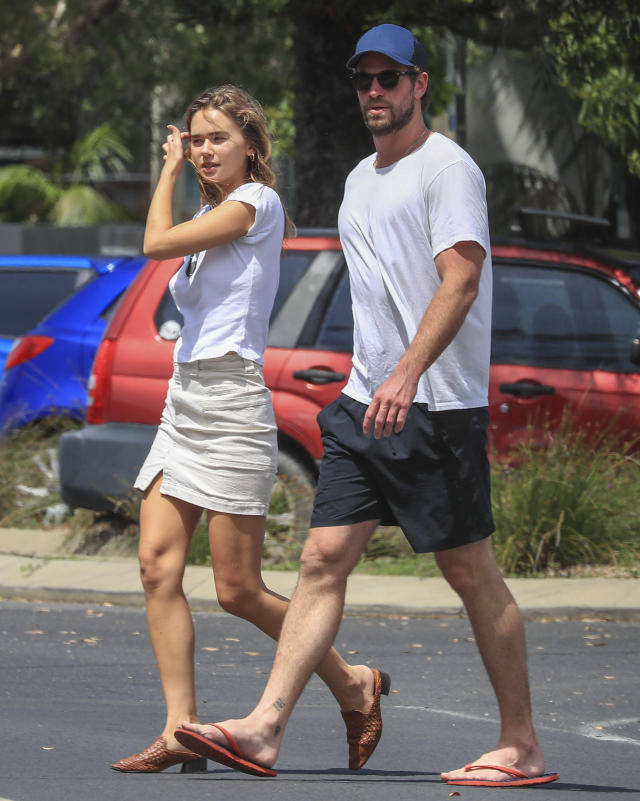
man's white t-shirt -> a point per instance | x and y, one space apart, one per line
393 222
227 301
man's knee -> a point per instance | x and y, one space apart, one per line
318 563
330 553
470 567
321 560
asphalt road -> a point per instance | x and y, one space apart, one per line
79 690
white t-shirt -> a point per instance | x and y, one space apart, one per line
227 301
393 222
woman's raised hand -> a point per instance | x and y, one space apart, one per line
174 149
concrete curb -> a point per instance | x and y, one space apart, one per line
116 581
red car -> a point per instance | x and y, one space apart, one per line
564 328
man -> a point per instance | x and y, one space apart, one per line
405 443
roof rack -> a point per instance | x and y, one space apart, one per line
582 219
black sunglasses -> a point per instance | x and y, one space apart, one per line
388 79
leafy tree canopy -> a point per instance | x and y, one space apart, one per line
66 66
595 49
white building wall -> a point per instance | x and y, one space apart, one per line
512 116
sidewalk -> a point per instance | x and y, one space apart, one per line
31 568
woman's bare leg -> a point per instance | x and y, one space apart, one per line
166 527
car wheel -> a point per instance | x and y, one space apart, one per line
292 497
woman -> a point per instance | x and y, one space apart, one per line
216 445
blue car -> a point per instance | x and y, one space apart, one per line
30 287
53 312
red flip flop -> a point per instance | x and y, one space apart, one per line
231 757
516 778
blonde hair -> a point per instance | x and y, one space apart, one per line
248 115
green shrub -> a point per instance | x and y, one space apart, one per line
389 553
572 503
26 194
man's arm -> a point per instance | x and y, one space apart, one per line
459 268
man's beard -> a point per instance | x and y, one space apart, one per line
396 121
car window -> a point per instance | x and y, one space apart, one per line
293 265
306 283
336 330
110 310
27 295
561 318
606 320
168 320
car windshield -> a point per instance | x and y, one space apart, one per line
27 295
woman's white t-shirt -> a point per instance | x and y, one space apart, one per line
393 222
227 301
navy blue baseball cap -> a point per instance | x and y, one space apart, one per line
393 41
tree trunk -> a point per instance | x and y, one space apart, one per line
330 134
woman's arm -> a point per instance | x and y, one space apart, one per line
163 239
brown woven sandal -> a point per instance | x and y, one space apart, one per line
157 757
364 731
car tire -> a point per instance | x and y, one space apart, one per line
292 496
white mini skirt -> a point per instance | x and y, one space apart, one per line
216 445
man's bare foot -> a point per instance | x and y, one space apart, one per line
531 763
253 745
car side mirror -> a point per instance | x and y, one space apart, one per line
634 352
170 330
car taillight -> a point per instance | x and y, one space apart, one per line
100 383
27 348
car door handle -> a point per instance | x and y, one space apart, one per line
316 376
527 389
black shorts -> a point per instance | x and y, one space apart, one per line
432 479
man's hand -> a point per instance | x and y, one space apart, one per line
389 407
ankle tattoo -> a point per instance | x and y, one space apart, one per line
279 704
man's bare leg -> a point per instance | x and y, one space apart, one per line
472 572
309 629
